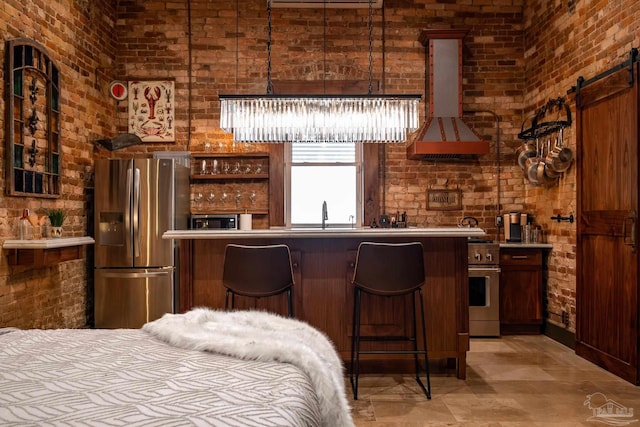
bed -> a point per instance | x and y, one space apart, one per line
203 367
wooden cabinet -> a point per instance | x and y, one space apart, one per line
230 183
520 291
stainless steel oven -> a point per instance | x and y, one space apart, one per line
484 289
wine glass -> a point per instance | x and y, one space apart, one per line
238 198
252 197
211 197
198 199
224 197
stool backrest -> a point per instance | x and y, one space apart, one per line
389 268
257 270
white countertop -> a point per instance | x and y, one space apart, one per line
327 233
61 242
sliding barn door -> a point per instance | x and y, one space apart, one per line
607 260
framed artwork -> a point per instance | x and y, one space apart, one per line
444 200
152 110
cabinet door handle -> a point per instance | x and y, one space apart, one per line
520 257
629 240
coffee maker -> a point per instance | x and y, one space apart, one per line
514 221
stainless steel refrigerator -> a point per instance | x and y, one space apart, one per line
135 275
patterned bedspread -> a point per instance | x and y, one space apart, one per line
129 378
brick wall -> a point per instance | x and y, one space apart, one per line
79 38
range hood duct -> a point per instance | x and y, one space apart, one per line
445 135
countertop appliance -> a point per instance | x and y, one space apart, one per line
514 222
484 288
214 222
136 201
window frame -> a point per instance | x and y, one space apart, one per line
288 164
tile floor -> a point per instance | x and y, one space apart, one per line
511 381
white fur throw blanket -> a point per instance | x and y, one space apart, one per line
262 336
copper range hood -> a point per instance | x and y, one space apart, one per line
445 135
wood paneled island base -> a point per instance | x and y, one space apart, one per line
323 266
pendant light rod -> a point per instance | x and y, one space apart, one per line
370 47
269 82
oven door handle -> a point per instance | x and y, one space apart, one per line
489 269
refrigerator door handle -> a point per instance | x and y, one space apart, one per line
133 275
136 214
127 216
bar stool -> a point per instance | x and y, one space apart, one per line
257 272
389 270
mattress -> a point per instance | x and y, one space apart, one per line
130 378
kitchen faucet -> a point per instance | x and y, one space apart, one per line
325 215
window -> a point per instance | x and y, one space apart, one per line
317 173
32 130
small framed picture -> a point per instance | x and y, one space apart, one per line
444 200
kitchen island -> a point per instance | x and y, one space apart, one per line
323 265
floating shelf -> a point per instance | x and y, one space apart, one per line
44 252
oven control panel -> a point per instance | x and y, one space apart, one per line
483 254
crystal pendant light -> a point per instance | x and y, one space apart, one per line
319 118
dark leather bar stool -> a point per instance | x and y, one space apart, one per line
389 270
257 272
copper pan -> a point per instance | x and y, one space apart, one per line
541 175
531 169
560 157
548 171
524 152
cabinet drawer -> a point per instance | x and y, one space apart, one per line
520 257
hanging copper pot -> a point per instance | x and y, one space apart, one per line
559 158
527 149
524 152
542 177
531 169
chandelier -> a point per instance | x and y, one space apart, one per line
319 118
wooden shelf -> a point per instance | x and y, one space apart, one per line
212 155
229 176
44 252
230 211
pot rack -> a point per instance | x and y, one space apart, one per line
551 118
540 128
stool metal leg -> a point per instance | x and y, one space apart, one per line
424 340
414 337
290 302
226 300
355 344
